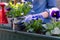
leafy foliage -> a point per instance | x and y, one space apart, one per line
53 25
19 9
34 24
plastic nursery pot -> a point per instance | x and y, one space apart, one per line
18 25
14 21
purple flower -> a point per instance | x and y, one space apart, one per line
8 9
35 17
55 14
25 0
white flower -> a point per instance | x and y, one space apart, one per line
31 5
56 31
22 13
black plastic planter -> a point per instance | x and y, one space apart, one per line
6 34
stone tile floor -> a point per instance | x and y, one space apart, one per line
58 3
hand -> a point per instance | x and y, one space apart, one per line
27 18
33 17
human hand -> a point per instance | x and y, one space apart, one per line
33 17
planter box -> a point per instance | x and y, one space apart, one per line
7 26
6 34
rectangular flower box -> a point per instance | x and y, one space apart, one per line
6 34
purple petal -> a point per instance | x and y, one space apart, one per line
55 14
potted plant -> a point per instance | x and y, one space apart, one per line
17 11
35 26
53 28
